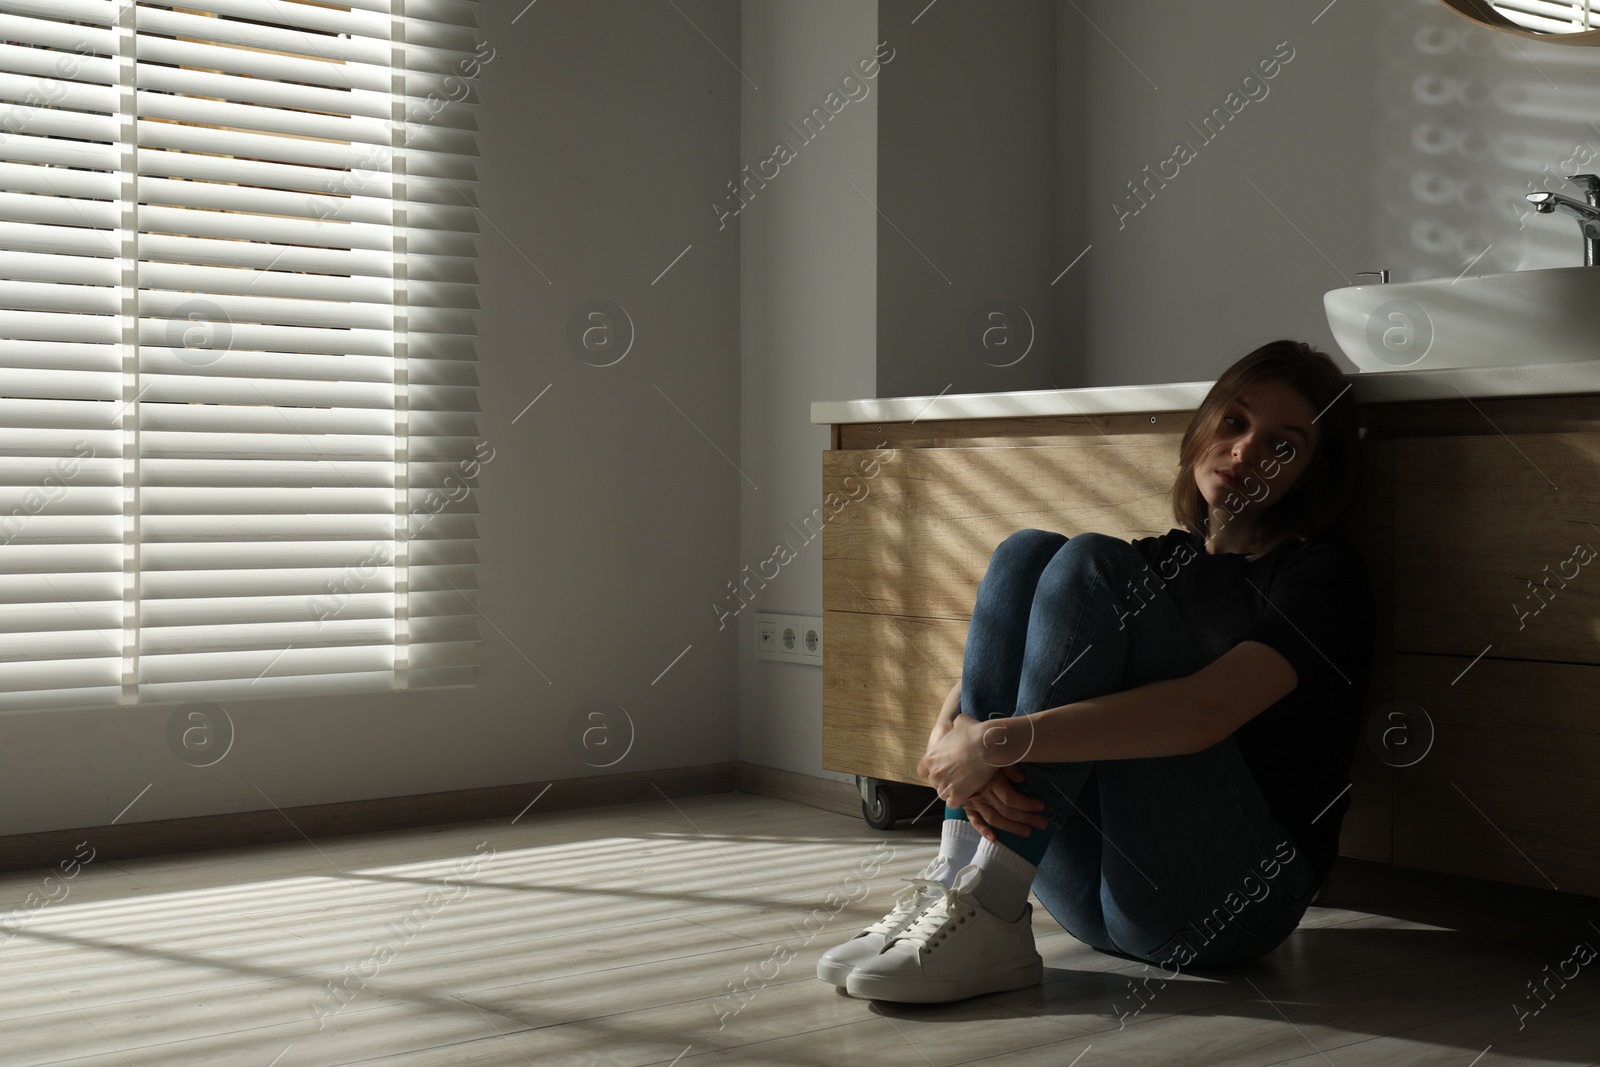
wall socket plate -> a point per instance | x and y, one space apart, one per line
792 638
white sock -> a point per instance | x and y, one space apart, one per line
1007 878
958 841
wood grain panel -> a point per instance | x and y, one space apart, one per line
915 539
1508 790
1367 832
1423 418
1012 432
884 679
1478 416
1482 517
1368 829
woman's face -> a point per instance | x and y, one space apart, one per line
1266 438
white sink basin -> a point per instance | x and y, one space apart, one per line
1497 320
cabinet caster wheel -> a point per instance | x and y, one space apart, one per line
878 804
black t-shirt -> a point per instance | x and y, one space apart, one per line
1321 619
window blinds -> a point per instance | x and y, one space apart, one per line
238 434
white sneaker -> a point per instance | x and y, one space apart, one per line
837 963
953 950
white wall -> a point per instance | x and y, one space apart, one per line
1210 268
808 330
1398 136
608 516
1472 121
969 151
1004 179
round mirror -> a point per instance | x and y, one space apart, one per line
1558 21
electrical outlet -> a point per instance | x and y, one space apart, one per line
766 636
811 640
794 638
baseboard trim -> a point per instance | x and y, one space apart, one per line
23 852
829 794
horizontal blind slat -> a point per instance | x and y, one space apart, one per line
273 138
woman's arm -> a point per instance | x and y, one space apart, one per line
998 804
1172 717
947 713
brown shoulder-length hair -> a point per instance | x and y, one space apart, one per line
1326 492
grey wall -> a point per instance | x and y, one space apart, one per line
1070 275
610 513
1397 136
1472 121
967 236
808 330
1271 211
1014 130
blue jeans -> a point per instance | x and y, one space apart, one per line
1166 858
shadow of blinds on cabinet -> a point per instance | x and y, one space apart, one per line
238 418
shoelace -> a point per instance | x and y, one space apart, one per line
910 901
932 927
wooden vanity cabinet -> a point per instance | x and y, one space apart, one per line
1464 503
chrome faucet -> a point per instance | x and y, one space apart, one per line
1587 214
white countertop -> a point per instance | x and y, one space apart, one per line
1528 379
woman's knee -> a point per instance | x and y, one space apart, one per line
1027 550
1029 541
1085 555
1089 544
1092 544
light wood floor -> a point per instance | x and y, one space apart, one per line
611 936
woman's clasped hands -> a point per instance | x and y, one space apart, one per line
962 765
